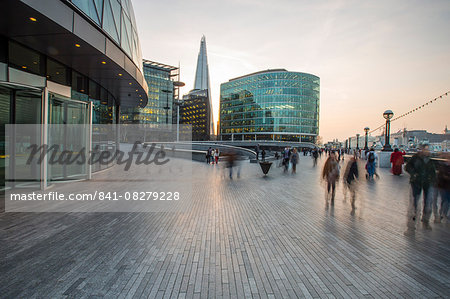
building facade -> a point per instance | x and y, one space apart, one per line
270 105
66 62
162 91
195 112
196 109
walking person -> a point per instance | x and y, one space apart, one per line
315 155
371 164
286 158
294 160
397 162
443 189
208 155
350 181
216 155
263 155
330 174
213 152
422 173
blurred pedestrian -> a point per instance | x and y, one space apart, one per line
294 160
216 155
443 189
422 173
208 155
286 158
397 162
231 162
331 174
263 155
315 155
371 163
213 152
350 180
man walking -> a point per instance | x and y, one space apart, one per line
422 173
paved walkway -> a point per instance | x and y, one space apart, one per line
254 237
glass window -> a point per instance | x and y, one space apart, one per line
126 35
88 7
109 24
57 72
99 7
94 90
3 49
79 83
116 10
25 59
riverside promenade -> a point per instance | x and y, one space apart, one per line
249 237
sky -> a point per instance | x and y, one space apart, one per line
370 55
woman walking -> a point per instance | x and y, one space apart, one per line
350 176
330 173
397 162
216 155
294 160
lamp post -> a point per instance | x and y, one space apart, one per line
366 147
179 103
167 107
357 141
388 114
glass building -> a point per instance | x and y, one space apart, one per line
195 112
66 62
270 105
162 91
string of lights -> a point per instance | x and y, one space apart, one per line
413 110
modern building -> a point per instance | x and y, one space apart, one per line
270 105
197 108
66 62
195 112
162 91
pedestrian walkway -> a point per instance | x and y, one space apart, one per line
252 236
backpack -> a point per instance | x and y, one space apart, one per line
371 157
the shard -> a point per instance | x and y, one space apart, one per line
202 72
197 107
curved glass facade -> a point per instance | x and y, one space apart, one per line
66 62
116 18
270 105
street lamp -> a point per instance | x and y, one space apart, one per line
366 129
167 107
357 141
388 114
179 103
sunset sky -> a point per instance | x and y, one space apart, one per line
370 55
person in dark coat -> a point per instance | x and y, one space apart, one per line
422 171
351 175
443 189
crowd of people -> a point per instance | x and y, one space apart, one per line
429 177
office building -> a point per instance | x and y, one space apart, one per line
162 91
270 105
66 62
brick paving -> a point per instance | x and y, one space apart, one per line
253 237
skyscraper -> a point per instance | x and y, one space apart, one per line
197 108
202 72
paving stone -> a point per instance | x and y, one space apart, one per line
249 237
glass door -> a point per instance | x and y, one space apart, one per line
69 129
19 105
